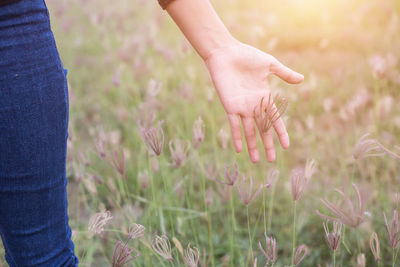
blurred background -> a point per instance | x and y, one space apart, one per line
129 67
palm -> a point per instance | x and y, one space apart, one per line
240 74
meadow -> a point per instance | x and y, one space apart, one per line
153 177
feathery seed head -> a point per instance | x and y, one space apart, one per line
246 190
198 132
97 222
333 239
393 230
154 137
266 114
301 253
178 152
270 253
122 254
346 212
119 161
230 175
310 169
162 246
375 246
136 231
191 256
298 182
367 147
361 261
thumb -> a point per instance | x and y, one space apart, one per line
285 73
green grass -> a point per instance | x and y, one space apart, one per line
329 43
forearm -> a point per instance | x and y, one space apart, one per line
201 25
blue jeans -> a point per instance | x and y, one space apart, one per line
33 140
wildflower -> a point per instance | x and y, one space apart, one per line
230 175
162 246
191 256
122 254
270 254
301 253
136 231
298 182
223 138
367 148
393 229
97 222
351 216
333 238
198 132
245 190
119 162
361 260
178 152
269 114
154 138
375 246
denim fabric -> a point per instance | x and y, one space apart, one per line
33 140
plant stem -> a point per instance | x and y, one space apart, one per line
334 258
270 208
167 189
264 213
394 257
210 238
294 231
233 228
343 240
248 229
358 240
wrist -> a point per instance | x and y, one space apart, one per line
215 41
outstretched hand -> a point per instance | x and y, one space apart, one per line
239 73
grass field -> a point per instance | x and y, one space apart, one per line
129 68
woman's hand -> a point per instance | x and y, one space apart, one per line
239 73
